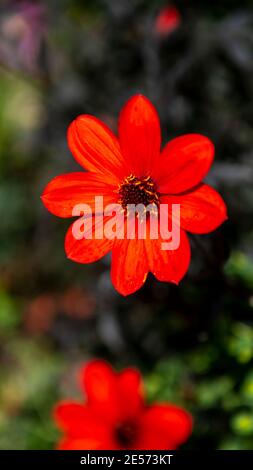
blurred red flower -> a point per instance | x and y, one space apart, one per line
167 20
115 416
40 313
131 170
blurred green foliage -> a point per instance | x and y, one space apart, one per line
240 268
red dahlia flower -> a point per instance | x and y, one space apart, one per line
115 416
131 169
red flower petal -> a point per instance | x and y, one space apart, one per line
99 381
64 192
70 415
87 444
87 250
164 427
95 147
183 163
131 392
168 265
139 135
80 424
201 210
129 265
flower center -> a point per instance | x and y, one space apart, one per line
135 190
126 434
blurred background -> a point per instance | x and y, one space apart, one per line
193 343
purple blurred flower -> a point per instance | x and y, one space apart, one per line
22 31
